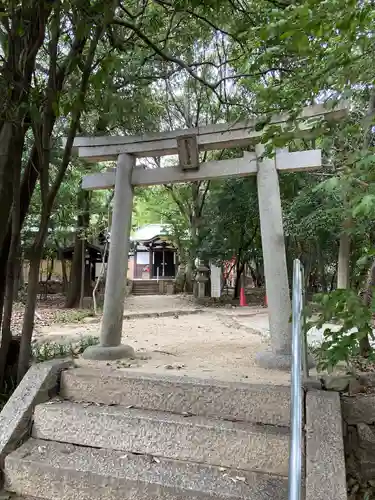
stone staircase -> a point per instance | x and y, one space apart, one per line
151 287
124 435
145 287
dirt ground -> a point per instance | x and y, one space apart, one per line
219 342
207 343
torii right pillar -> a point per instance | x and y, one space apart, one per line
278 355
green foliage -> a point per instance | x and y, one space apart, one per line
167 65
155 205
72 315
232 222
346 311
53 350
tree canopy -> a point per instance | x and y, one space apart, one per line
75 67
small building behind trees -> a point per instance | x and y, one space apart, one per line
153 255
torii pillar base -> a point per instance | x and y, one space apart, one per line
108 353
273 360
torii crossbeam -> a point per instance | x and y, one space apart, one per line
187 144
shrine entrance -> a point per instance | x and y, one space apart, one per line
187 144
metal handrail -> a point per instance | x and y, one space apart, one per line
295 455
305 358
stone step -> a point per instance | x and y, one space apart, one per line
145 290
177 394
198 439
57 471
145 287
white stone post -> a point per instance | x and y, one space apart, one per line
215 280
110 346
275 269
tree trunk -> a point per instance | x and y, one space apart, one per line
256 275
74 289
83 273
60 256
343 264
64 274
26 35
48 193
28 184
189 276
28 318
237 286
77 269
180 278
259 269
11 153
333 279
50 268
365 347
33 16
322 274
253 275
18 275
6 332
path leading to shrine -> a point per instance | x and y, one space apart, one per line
183 339
172 334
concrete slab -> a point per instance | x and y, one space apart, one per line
36 387
228 444
325 459
66 472
254 403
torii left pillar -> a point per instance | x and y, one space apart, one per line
110 346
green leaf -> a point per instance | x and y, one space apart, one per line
365 206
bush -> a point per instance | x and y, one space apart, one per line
52 350
354 321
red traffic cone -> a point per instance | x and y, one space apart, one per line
265 301
242 297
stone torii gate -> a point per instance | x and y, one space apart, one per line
187 144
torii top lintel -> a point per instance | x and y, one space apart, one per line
210 137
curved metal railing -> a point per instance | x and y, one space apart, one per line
298 359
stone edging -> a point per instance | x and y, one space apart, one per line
233 322
153 314
38 385
163 314
325 458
